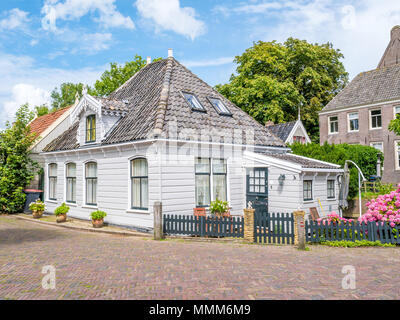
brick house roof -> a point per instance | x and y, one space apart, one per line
40 124
156 107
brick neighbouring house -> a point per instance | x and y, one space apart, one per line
362 111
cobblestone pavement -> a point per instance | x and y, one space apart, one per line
100 266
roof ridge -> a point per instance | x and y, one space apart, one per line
162 104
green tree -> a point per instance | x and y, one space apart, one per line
117 75
365 157
17 169
42 110
65 95
394 125
273 80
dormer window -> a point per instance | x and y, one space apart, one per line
91 128
219 106
193 102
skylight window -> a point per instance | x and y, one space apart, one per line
219 106
193 101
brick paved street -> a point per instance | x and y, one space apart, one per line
99 266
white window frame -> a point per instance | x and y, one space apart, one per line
312 189
329 124
348 122
84 205
377 142
66 183
131 208
48 182
370 119
330 178
211 176
396 154
394 111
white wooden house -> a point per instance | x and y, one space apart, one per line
165 135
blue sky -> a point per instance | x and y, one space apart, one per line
46 42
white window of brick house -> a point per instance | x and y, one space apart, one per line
375 119
377 146
333 124
396 110
353 122
397 154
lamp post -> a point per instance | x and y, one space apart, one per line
360 174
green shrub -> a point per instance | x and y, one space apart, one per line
98 215
357 243
365 157
37 206
219 206
63 209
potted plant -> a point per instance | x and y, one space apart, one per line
98 218
61 213
37 208
219 207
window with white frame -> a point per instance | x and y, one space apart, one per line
139 184
307 190
396 111
333 124
207 170
219 106
193 101
377 146
71 182
397 153
52 181
91 183
353 121
331 189
376 119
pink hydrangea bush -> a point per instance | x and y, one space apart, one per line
385 208
333 218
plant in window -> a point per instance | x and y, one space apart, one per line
37 208
98 218
61 213
219 207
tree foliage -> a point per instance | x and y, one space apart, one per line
273 80
65 95
17 169
365 157
394 125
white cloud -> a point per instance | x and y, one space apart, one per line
208 63
108 15
15 19
25 93
34 42
22 81
169 15
360 29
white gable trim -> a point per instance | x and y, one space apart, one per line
296 126
86 102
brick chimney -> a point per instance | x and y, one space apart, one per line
392 53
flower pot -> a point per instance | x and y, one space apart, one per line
98 223
61 218
37 214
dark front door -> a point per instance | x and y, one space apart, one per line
257 189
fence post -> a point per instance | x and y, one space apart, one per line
299 229
249 225
158 221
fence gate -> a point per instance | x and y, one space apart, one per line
274 228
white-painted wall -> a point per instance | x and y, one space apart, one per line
171 181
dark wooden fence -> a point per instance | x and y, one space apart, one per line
274 228
203 226
371 231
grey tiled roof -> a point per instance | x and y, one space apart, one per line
282 130
65 141
156 107
369 87
306 163
113 106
